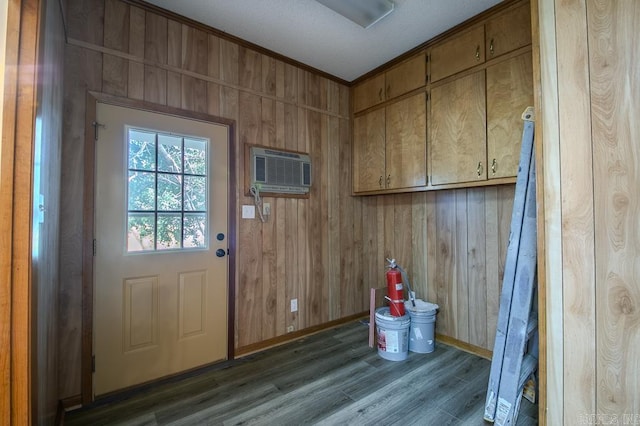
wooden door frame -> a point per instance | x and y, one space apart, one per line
18 378
88 209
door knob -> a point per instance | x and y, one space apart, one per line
220 253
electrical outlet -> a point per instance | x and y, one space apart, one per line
294 305
266 209
289 329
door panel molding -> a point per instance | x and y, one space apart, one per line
91 129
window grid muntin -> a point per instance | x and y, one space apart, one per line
182 175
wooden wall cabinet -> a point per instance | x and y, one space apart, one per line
398 80
509 92
369 151
389 147
476 129
457 53
501 34
458 131
481 82
508 31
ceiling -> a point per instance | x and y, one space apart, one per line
315 35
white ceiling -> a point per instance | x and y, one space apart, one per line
313 34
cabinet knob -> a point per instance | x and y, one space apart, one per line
380 181
491 47
388 180
380 94
479 169
477 52
494 163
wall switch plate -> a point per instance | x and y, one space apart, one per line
294 305
266 209
248 212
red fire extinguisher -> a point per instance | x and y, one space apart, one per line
395 290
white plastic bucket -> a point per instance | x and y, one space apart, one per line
393 335
423 319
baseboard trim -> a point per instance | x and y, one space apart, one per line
467 347
70 403
290 337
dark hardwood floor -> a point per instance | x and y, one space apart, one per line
331 378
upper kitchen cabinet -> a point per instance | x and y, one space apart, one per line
509 92
398 80
369 172
508 31
369 93
406 147
457 53
389 146
458 131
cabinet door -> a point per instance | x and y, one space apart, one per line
457 54
405 77
458 130
368 151
509 31
509 92
369 93
406 147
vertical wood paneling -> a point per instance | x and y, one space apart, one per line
317 289
213 89
135 82
84 20
492 261
304 270
229 61
279 218
250 282
577 211
445 259
174 59
615 91
194 94
461 280
402 222
195 50
269 235
476 267
432 246
339 295
250 68
115 70
156 50
419 250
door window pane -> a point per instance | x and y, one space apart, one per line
141 231
170 192
194 229
169 153
142 150
167 191
142 191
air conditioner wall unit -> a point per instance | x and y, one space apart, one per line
280 172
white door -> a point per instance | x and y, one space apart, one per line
161 270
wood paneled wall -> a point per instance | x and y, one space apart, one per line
45 241
327 250
587 114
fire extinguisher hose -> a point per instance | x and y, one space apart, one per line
412 295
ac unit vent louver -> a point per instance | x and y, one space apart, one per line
280 171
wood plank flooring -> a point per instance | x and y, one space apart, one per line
331 378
